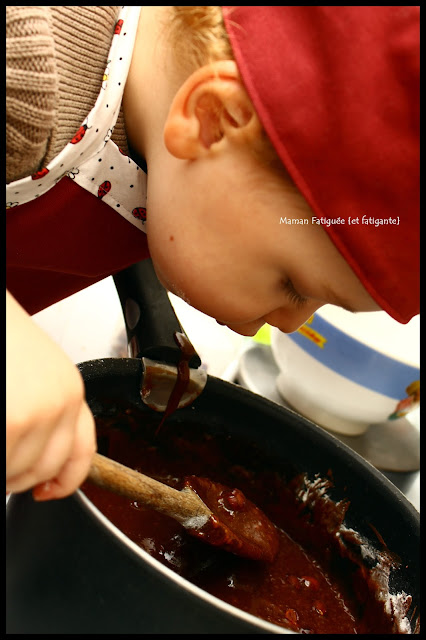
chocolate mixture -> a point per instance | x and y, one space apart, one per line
324 578
236 524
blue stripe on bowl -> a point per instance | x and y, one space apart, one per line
354 360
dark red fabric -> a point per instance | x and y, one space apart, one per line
64 241
337 90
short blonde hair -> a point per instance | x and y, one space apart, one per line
198 36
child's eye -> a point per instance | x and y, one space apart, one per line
294 297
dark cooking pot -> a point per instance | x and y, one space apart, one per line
69 570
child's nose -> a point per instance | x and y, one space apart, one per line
288 319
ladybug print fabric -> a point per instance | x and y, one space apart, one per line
104 188
91 158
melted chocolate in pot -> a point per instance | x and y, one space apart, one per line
303 588
187 351
237 525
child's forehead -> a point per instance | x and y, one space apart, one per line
337 91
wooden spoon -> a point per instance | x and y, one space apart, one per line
216 514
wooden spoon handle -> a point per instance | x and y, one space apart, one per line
184 506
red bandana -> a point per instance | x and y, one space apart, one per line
337 91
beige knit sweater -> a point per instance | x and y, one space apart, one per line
55 60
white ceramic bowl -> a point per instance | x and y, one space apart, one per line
345 371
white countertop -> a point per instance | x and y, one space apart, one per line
89 325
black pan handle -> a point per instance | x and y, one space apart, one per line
149 315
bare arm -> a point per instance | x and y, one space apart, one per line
50 437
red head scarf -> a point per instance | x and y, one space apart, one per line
337 91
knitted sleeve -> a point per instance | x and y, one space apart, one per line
55 60
31 89
83 36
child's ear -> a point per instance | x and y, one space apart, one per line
211 106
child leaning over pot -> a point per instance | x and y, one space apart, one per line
266 158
